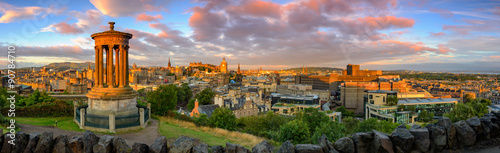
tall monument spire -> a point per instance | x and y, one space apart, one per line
169 65
239 71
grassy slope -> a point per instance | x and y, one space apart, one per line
65 123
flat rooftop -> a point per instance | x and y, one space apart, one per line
428 100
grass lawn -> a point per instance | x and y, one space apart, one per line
65 123
171 130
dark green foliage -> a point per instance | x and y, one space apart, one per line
205 97
351 124
187 92
426 116
392 100
35 98
468 110
332 130
223 118
190 105
202 120
345 112
57 108
263 125
297 131
162 99
174 114
312 117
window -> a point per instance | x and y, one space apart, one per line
383 99
371 96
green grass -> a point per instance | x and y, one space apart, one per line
170 130
65 123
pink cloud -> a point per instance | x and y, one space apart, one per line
387 21
258 8
85 22
148 18
443 49
496 10
410 46
207 25
439 34
443 12
11 13
119 8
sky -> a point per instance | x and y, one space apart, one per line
437 35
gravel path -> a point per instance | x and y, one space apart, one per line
147 135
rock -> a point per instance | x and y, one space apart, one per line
200 148
422 141
264 147
415 126
437 135
104 145
45 143
444 122
33 140
21 142
308 148
402 138
362 141
76 144
235 148
140 148
326 145
61 144
89 140
120 146
286 147
450 133
1 138
381 142
182 145
465 134
487 126
344 145
159 146
6 146
217 149
475 124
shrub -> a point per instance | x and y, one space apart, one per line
223 118
297 131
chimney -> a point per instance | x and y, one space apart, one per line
196 104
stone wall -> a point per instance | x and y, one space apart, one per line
443 136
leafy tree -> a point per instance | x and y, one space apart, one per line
205 97
345 112
426 116
332 130
468 98
392 100
162 99
297 131
35 98
401 108
187 91
468 110
223 118
368 125
312 117
486 101
190 105
202 120
387 126
351 124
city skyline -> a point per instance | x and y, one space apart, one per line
459 36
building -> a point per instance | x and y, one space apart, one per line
223 66
290 104
376 106
298 89
203 109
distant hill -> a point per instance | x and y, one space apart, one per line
68 65
314 69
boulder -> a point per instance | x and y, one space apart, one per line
217 149
120 146
362 141
444 122
33 140
450 133
61 144
465 134
422 141
21 142
415 126
475 124
308 148
76 144
402 139
437 136
235 148
45 143
6 146
89 140
487 127
326 145
200 148
104 145
286 147
263 147
344 145
139 148
182 145
381 142
159 146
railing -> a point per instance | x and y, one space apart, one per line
146 114
97 121
77 116
126 121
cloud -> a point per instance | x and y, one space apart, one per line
496 10
119 8
443 12
439 34
85 22
12 13
148 18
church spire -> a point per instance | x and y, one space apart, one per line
239 71
169 65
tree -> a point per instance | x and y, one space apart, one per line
202 120
468 98
401 108
351 124
426 116
312 117
205 96
187 91
190 105
368 125
486 101
345 112
223 118
392 100
162 99
332 130
297 131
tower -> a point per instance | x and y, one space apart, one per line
169 65
223 65
239 71
112 103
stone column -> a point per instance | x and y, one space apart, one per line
96 81
149 112
122 66
110 66
126 66
141 116
100 72
112 124
82 118
117 67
